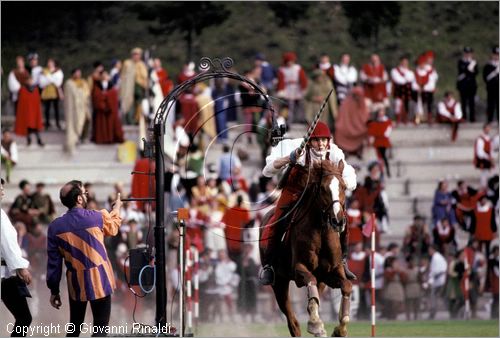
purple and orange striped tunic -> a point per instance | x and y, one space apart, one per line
77 238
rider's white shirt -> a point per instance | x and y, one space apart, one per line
285 147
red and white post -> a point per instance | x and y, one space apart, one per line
196 284
373 308
466 288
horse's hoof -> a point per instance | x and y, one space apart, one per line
339 332
316 328
322 333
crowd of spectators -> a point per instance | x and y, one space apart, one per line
226 208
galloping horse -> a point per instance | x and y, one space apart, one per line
311 254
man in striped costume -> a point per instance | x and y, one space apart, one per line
77 237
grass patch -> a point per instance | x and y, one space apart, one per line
436 328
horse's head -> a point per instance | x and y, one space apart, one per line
332 192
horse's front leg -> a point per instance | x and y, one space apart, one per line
304 277
345 304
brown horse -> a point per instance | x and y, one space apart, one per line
311 254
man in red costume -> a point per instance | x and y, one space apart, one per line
374 77
292 84
320 147
450 111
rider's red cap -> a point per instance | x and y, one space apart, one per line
321 130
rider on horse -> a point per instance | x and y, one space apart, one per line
319 147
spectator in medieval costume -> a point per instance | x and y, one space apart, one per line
320 147
326 67
37 246
51 81
437 278
22 210
143 186
18 77
490 76
358 263
483 155
29 113
394 294
444 237
34 68
464 200
466 83
42 201
402 78
248 270
355 223
493 275
115 72
107 125
455 274
442 206
484 227
379 132
371 197
134 78
345 77
250 102
76 109
10 155
161 84
413 289
374 77
477 270
317 92
223 96
351 130
450 112
235 219
206 114
267 72
424 86
188 72
292 84
226 281
417 239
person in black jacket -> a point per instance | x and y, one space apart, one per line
466 83
490 76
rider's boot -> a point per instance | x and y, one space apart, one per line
348 273
344 240
266 274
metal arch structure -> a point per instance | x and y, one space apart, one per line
210 69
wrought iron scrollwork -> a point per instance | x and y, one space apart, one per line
216 65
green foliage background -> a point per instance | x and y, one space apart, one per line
77 33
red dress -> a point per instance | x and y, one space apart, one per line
107 125
28 112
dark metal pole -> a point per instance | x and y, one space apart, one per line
161 277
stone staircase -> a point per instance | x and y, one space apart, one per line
421 156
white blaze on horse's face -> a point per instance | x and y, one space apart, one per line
335 189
